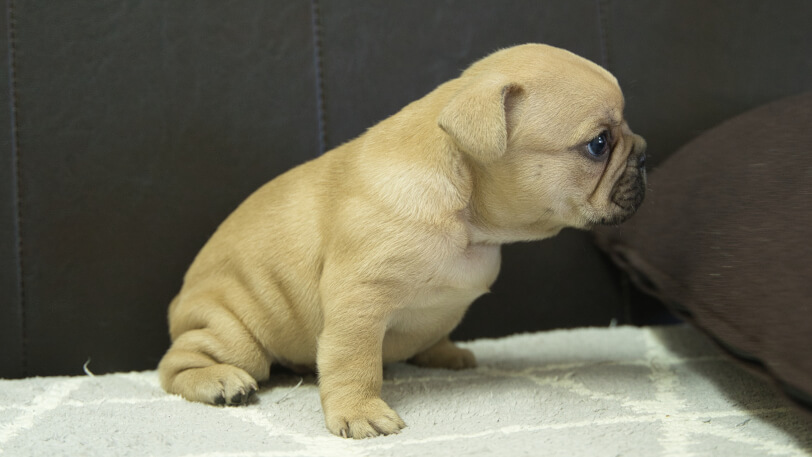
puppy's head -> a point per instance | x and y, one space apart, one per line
544 132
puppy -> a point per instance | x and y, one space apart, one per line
372 252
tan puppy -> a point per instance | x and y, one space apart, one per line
373 252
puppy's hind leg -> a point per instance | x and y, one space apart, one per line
445 354
205 365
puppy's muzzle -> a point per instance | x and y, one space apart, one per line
630 190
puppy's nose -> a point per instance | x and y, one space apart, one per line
640 146
641 161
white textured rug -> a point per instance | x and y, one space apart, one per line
588 392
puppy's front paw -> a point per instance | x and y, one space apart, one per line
366 419
217 384
445 356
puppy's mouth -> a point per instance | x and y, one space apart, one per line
627 195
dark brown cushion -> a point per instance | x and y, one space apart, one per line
725 239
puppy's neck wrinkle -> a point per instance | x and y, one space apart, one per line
481 226
482 234
483 219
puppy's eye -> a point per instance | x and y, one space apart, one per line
599 145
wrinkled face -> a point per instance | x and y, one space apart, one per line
571 159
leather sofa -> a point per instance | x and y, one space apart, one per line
132 128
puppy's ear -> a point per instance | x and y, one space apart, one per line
476 118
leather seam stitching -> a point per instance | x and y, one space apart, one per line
321 116
603 8
17 176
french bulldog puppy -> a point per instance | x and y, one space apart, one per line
372 252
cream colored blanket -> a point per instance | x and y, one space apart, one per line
622 391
